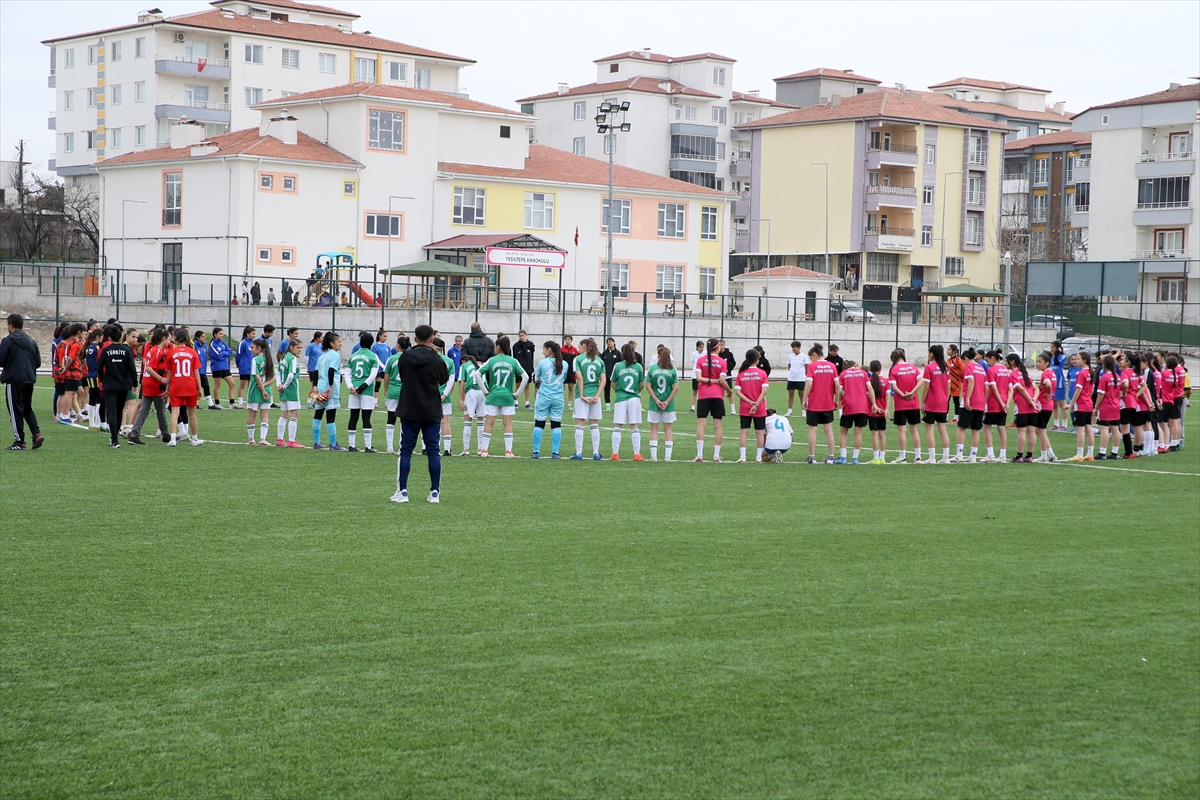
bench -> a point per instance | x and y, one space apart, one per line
743 315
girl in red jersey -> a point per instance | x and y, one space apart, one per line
1108 396
819 401
1045 393
1080 402
877 414
854 395
903 381
184 388
936 382
996 415
712 387
1022 392
751 389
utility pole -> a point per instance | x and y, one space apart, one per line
607 123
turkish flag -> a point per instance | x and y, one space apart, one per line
201 64
577 237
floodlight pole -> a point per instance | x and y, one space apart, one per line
606 123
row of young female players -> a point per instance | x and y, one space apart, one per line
1137 397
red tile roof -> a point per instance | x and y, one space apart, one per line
784 272
295 5
559 166
659 58
639 84
984 107
980 83
295 31
384 91
753 98
1061 137
244 142
1189 91
887 103
825 72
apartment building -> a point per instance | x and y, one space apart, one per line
682 110
119 90
904 179
1045 196
1142 170
397 175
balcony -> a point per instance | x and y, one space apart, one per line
216 69
1079 217
1016 183
1164 262
896 155
891 196
976 199
973 238
51 123
1151 158
1171 212
1142 255
199 110
890 239
741 168
1164 165
741 206
977 158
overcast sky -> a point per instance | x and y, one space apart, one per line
1086 52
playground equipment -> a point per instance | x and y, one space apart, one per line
335 270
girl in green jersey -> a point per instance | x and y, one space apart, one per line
288 381
258 394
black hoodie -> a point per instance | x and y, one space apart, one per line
422 374
479 346
19 358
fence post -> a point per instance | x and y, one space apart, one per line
1183 309
57 284
862 345
333 311
929 326
828 319
229 304
683 336
722 301
174 305
1025 328
477 291
1141 308
962 313
282 320
645 311
795 305
520 309
758 315
383 301
896 314
1100 315
117 292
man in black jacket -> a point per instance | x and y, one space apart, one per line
117 370
422 374
523 351
479 345
19 362
611 356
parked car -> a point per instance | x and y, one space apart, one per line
846 311
1063 325
1083 344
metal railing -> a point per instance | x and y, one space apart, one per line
1083 160
1150 158
973 239
1165 204
890 231
211 105
208 62
1081 208
974 198
907 149
1015 176
977 157
1139 255
694 156
906 191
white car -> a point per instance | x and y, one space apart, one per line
847 311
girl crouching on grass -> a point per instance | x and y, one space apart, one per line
258 393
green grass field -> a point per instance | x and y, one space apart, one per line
251 622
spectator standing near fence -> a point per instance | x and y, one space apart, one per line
478 345
19 362
422 374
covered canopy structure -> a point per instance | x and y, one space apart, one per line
443 284
940 306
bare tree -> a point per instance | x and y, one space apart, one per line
36 215
81 216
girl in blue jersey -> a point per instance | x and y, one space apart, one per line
327 394
550 374
245 364
91 354
219 352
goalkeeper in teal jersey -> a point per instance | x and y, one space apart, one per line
361 369
627 377
328 393
497 379
551 375
663 381
446 390
287 378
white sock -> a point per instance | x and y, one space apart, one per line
183 429
616 441
974 452
578 440
842 452
904 455
389 432
508 439
263 429
466 435
1091 450
479 434
208 397
485 439
758 454
368 434
636 436
293 423
667 450
172 437
654 449
917 453
250 432
741 452
447 440
1079 452
991 453
946 453
352 436
699 448
1003 454
716 451
280 427
596 438
856 454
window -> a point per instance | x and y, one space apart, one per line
1041 171
386 130
927 196
172 199
91 98
68 143
975 191
505 131
399 71
670 220
115 51
1070 169
139 92
1069 203
1104 119
288 94
291 58
930 153
326 62
139 135
1180 142
68 58
349 189
527 108
689 112
926 236
196 95
718 115
139 47
686 145
620 279
266 182
114 94
954 266
579 146
708 283
91 54
253 96
708 222
1164 193
68 101
738 117
254 54
718 76
977 154
539 210
1169 241
974 232
581 110
364 70
707 179
264 254
614 67
383 225
91 140
1171 290
883 267
424 78
620 216
286 255
113 137
469 205
668 281
289 183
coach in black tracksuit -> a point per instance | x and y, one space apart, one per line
19 362
118 376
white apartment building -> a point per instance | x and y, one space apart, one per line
1142 170
682 110
119 90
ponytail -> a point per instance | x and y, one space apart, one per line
751 360
268 363
938 354
664 358
1015 362
876 384
558 359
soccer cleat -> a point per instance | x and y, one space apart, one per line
337 447
434 497
1101 457
219 407
351 449
810 460
614 457
899 461
716 460
483 453
294 445
741 460
171 443
38 440
577 457
280 443
1089 458
667 460
654 458
554 456
972 459
596 457
166 438
789 413
1075 458
1051 458
837 461
391 452
133 438
536 455
953 460
370 450
509 454
448 453
527 405
114 444
698 460
1127 456
17 446
830 460
638 457
197 441
63 420
318 446
608 406
854 461
400 496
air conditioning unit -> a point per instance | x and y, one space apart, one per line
180 36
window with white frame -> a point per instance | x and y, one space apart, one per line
539 210
954 267
91 98
385 129
738 117
196 95
114 94
254 53
139 47
290 58
91 140
68 101
139 135
1172 290
689 113
926 236
708 283
579 146
286 93
930 153
173 198
364 70
383 225
718 115
718 76
113 137
399 71
974 232
289 183
620 215
1039 208
424 78
91 54
619 285
927 196
469 205
114 49
286 255
1069 203
264 254
253 96
671 220
1169 241
708 222
326 62
139 91
975 191
266 181
668 281
1041 171
580 110
68 143
68 58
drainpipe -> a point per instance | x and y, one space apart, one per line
321 103
228 209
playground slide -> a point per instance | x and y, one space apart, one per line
361 294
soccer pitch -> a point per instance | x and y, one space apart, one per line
261 622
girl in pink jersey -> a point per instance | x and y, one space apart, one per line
1079 400
936 382
751 389
974 405
1108 397
854 395
1173 380
903 380
711 389
819 401
996 413
877 415
1022 394
1046 387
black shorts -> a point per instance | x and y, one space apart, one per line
695 385
759 423
710 407
570 379
313 377
1175 409
1127 416
1140 418
1043 418
1082 418
220 373
1025 420
817 418
68 385
796 386
996 418
877 423
92 383
1109 423
957 400
908 416
970 419
934 417
853 421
